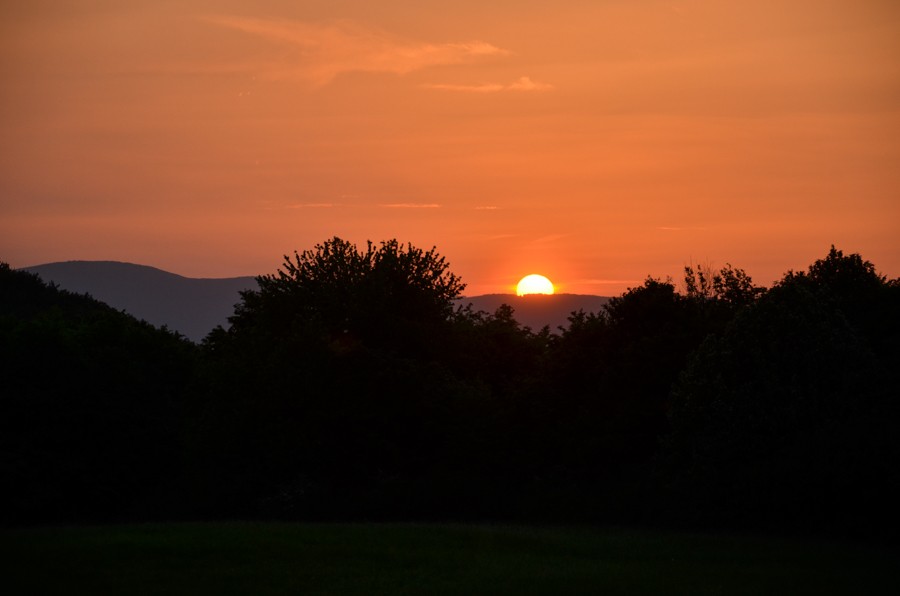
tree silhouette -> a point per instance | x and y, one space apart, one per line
788 415
91 407
350 386
392 296
729 285
610 374
332 376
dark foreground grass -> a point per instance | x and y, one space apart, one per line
397 559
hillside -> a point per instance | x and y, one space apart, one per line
190 306
90 406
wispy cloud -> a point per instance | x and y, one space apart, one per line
522 84
606 282
310 206
493 237
526 84
410 206
486 208
549 238
323 51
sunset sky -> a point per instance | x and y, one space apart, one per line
595 142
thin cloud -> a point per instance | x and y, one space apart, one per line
493 237
310 206
410 206
549 238
526 84
486 208
326 50
487 88
523 84
606 282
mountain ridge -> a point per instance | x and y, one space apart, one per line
538 310
190 306
194 306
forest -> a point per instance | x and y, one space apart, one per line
351 387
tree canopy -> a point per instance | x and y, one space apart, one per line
391 296
90 406
786 414
350 385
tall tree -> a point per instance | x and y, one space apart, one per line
789 414
391 296
331 376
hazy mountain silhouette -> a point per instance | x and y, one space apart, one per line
191 306
537 310
194 306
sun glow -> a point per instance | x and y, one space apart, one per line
534 284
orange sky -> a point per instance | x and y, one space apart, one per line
595 142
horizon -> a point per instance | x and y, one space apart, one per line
595 143
559 289
175 273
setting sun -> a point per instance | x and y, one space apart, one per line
534 284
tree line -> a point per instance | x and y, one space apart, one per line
350 386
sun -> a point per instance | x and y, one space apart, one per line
534 284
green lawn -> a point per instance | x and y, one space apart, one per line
396 559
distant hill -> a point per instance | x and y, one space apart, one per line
537 310
188 305
193 306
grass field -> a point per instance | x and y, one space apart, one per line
397 559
